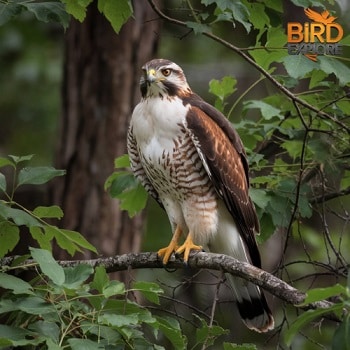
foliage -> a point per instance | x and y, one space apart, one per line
58 11
13 215
124 186
80 308
342 307
45 11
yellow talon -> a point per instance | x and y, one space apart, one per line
173 245
187 247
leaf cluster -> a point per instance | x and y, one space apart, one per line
116 12
13 216
341 308
79 307
44 11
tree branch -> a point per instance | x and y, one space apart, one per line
197 260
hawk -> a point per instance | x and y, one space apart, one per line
191 160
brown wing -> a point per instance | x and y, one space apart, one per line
224 159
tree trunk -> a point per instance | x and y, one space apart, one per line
100 89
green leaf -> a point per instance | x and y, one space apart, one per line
293 147
304 206
49 12
297 66
317 76
276 37
134 200
265 58
318 294
122 161
16 336
18 216
9 10
2 182
6 161
306 318
78 239
121 181
124 186
38 175
17 285
344 106
9 237
100 280
208 334
223 88
149 290
21 159
198 28
69 240
53 211
241 14
75 276
48 265
117 12
267 111
118 320
113 288
341 338
334 66
236 9
259 197
231 346
77 8
39 234
258 16
35 305
171 329
84 344
47 329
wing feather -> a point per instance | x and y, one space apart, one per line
223 156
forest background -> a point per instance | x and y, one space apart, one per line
68 89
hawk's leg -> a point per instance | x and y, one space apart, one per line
187 247
173 245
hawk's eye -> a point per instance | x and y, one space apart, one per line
166 72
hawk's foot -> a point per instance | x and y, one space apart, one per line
187 247
166 252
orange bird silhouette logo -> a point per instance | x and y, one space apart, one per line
323 17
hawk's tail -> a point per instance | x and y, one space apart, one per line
252 305
250 298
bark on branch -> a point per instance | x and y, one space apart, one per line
198 260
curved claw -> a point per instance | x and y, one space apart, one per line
187 247
166 252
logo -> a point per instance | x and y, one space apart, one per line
319 37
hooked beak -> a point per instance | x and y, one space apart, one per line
150 76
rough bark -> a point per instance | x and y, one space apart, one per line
100 89
197 260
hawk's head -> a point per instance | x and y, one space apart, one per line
163 78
